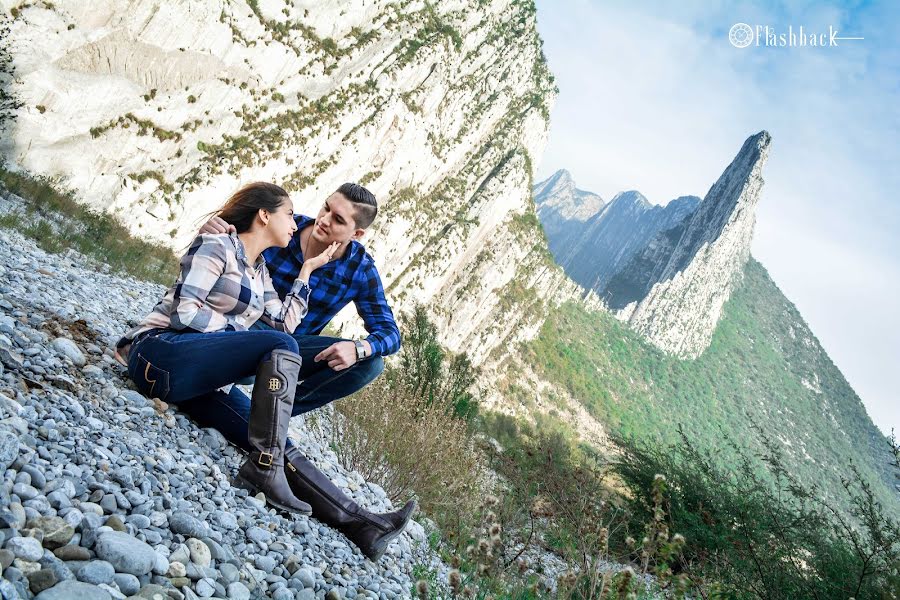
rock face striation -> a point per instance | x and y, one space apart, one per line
669 270
156 112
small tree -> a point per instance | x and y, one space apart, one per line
431 373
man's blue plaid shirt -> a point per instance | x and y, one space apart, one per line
352 278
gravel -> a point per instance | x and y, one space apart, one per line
105 494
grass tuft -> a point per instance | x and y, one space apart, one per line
57 222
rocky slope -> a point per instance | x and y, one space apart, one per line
106 494
665 270
156 112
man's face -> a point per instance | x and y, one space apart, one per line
335 222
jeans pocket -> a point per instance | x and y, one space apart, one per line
150 380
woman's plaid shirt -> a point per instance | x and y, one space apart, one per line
351 278
219 290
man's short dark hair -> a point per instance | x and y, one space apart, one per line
364 202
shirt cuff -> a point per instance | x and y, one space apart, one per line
375 344
300 288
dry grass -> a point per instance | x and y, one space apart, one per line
410 431
409 446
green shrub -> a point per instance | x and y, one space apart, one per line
768 535
552 496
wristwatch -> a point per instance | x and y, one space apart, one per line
360 350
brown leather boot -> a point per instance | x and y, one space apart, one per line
370 532
270 414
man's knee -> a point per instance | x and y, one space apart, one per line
372 368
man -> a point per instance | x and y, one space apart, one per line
332 368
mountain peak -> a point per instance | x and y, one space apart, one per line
560 179
558 195
697 264
630 198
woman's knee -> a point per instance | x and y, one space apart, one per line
283 341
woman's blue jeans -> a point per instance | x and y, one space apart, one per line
176 366
192 366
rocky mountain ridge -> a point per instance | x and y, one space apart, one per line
692 268
596 246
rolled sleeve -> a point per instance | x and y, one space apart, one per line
373 308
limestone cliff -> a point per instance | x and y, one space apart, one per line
157 111
692 268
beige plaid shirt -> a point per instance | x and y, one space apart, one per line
219 290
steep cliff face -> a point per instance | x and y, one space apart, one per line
157 111
692 268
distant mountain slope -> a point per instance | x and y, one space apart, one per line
563 210
594 248
763 366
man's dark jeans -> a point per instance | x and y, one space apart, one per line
319 385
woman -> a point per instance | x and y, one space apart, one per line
196 339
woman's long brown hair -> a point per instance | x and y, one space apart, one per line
240 210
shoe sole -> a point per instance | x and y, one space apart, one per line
254 489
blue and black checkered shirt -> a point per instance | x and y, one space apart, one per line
352 278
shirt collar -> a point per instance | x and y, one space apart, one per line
242 253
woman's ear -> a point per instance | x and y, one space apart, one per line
263 215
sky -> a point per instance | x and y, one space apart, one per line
654 97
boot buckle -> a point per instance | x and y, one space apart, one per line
263 455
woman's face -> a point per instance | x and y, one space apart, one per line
281 225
